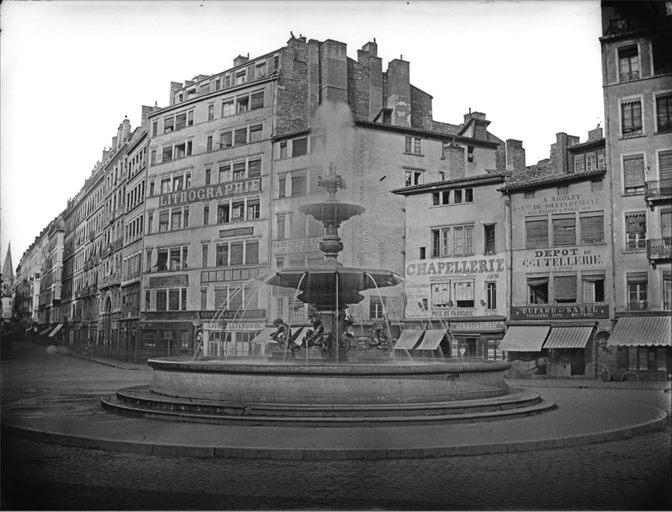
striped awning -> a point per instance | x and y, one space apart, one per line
642 331
45 331
264 335
56 329
408 339
568 337
432 339
524 338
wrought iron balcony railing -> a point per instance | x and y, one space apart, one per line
658 189
659 248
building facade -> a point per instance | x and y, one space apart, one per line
637 80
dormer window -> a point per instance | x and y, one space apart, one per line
241 76
260 70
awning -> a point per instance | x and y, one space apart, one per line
642 331
432 339
45 331
56 329
408 339
264 335
568 337
297 334
524 338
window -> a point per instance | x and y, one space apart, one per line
564 288
281 227
441 295
163 220
413 177
633 174
376 307
635 230
226 139
489 239
457 196
155 128
147 300
453 241
666 223
236 253
464 241
222 255
252 252
665 169
593 288
537 288
204 256
631 118
242 104
253 209
470 154
283 149
239 170
628 63
299 184
464 294
238 210
423 253
637 290
161 300
536 231
564 231
204 299
591 162
413 145
206 214
664 112
224 172
299 147
167 154
241 76
282 185
667 289
439 198
168 124
529 194
208 176
228 108
208 143
255 133
260 70
223 213
579 163
152 157
257 100
592 227
491 295
254 168
468 195
240 136
171 258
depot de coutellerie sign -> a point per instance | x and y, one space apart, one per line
553 312
219 191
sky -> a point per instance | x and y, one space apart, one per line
71 70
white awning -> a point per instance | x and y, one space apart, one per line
45 331
56 329
642 331
432 339
264 336
568 337
524 338
408 339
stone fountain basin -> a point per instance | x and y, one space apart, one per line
244 382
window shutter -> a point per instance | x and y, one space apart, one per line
237 253
537 233
665 167
635 223
257 100
666 224
254 168
636 277
633 171
565 288
464 291
592 227
240 136
220 297
252 253
564 231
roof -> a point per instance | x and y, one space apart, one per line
523 181
587 145
642 331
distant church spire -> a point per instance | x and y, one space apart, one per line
7 270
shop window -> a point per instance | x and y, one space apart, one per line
564 288
592 227
537 288
593 288
376 307
631 118
635 230
464 294
536 231
491 296
564 231
633 174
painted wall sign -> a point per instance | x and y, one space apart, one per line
223 233
568 258
296 246
455 266
567 203
206 193
169 281
554 312
477 326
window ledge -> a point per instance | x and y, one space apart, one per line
663 132
632 194
634 251
414 154
633 136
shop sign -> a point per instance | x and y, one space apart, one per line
566 258
224 233
450 313
209 192
573 312
566 203
296 246
477 326
455 266
245 326
169 281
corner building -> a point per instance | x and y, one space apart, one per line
637 81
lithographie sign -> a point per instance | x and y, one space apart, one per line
555 312
219 191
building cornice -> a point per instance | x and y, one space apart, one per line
436 186
536 183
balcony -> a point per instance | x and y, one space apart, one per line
659 248
660 190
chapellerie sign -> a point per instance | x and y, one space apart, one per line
547 312
218 191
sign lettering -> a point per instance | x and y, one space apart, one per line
209 192
547 312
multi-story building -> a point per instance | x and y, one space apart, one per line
49 312
456 233
637 82
559 216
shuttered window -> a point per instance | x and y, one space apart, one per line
564 231
536 231
257 100
665 168
664 112
237 253
631 118
666 223
226 139
222 255
592 227
635 229
254 168
633 173
220 297
252 253
564 288
240 136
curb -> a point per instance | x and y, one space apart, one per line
101 361
230 452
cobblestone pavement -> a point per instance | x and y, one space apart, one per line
630 474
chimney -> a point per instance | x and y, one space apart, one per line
126 132
114 144
120 134
371 48
368 58
399 92
559 151
595 134
515 155
144 116
454 154
105 153
174 87
334 76
241 59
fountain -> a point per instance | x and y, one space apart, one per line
326 384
